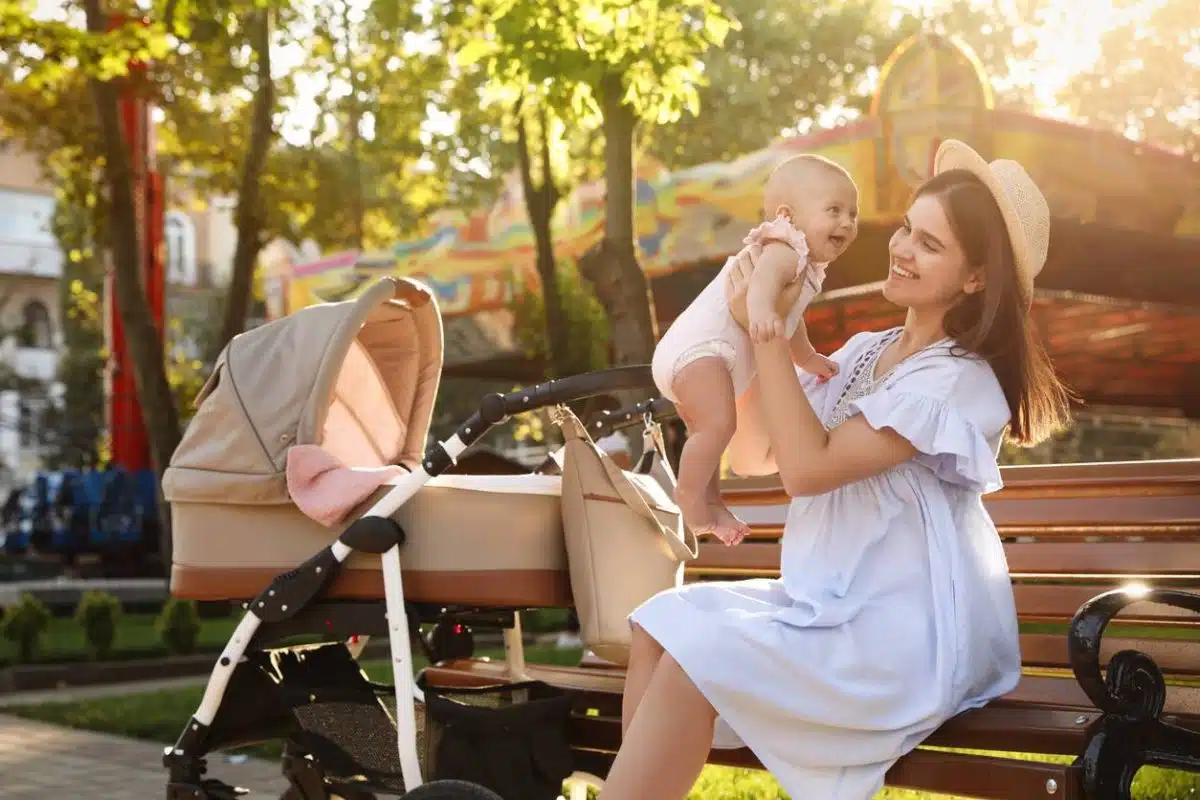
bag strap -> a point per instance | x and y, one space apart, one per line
684 550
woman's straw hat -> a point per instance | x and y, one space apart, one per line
1026 214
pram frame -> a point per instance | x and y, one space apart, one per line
277 611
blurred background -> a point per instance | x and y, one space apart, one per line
290 153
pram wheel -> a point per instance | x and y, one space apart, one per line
451 790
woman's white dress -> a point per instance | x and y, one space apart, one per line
894 611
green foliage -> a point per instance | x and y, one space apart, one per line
98 614
587 326
179 625
48 52
785 67
566 51
23 624
71 429
782 65
368 170
1139 84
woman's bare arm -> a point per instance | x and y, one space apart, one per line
811 460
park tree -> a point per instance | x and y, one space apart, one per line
369 169
783 68
606 65
210 71
500 126
1146 81
67 73
220 100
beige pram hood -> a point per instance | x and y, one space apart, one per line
359 378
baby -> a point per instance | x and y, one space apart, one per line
704 361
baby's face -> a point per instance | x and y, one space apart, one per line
826 211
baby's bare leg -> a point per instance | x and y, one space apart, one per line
705 400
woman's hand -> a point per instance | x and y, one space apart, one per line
737 283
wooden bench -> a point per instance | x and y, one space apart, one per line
1071 534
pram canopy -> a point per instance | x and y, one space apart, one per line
359 379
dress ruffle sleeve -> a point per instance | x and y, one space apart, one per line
948 443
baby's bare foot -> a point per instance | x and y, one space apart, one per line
697 514
728 528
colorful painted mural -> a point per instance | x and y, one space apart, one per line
931 88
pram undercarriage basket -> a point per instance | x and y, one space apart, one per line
344 734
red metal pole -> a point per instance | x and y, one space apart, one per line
130 444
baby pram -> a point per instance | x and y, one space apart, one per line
356 380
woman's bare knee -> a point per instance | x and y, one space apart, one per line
644 642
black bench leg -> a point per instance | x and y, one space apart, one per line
1131 732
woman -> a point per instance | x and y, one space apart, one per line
894 611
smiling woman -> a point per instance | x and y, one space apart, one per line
845 663
954 256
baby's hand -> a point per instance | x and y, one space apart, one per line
821 366
765 324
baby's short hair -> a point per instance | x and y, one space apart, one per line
813 159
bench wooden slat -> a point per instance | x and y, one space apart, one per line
1057 603
1038 602
1179 657
1046 691
1014 728
1149 517
755 558
1103 558
984 776
1062 692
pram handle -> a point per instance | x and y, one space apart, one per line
659 409
495 408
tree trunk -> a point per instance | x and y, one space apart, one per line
141 335
249 213
540 202
613 268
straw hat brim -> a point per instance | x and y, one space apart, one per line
953 154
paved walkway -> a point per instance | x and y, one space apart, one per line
69 694
46 762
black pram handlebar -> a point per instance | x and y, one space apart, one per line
659 408
495 408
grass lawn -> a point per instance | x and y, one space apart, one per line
136 638
159 717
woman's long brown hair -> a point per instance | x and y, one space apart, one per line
995 323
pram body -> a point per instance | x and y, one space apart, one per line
358 379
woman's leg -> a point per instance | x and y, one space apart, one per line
644 655
668 742
704 389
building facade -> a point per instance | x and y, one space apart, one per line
200 239
31 268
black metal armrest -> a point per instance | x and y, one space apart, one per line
1131 694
